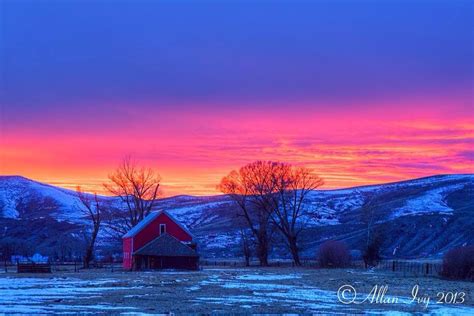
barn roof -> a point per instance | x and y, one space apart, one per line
166 246
149 218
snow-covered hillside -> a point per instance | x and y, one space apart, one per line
441 199
20 196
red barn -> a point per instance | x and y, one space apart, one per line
159 241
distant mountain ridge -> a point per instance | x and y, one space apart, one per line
421 217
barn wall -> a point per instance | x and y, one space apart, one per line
152 230
127 253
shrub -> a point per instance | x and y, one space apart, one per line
458 263
334 254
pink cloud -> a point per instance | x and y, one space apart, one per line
194 150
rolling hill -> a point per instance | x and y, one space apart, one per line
419 218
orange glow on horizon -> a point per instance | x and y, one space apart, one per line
192 152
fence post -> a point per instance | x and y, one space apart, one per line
393 266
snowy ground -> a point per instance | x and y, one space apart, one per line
219 290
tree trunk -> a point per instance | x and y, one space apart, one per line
263 258
90 249
247 254
294 250
262 249
247 261
87 257
245 247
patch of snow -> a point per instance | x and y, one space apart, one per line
193 288
432 201
192 214
32 295
136 314
221 240
306 298
268 277
266 293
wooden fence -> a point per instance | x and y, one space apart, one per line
23 267
407 267
415 268
253 263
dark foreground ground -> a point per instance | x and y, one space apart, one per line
225 290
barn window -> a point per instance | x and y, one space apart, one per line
162 228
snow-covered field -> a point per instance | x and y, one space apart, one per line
219 290
41 295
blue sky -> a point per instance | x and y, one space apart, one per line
362 91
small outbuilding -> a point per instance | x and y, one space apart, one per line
159 241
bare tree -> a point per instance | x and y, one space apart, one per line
272 194
251 188
370 215
246 249
137 187
67 248
94 210
294 184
